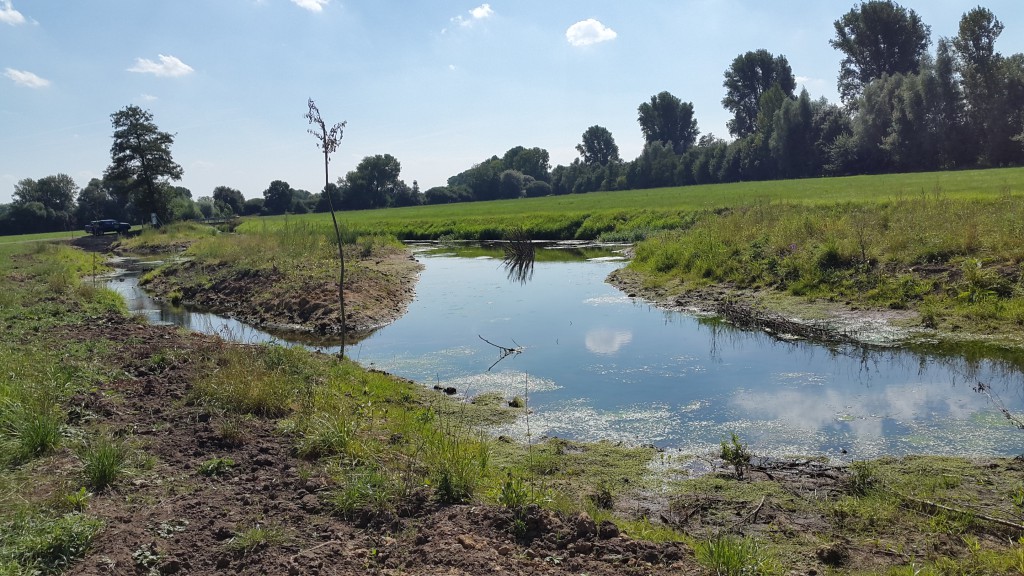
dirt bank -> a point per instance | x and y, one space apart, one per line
829 322
378 289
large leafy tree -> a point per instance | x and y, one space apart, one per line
230 198
56 192
990 109
748 77
532 162
878 37
277 198
141 161
95 202
373 184
598 147
668 120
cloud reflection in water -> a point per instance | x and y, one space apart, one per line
607 341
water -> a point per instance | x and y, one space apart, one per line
596 365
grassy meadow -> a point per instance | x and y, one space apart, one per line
635 214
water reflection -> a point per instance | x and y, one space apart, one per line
606 341
520 256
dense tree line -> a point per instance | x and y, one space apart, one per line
902 108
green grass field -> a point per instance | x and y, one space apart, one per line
632 215
41 237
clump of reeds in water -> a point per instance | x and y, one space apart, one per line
520 255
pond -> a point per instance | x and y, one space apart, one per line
595 364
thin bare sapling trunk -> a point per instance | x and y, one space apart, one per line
327 142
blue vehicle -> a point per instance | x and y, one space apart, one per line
101 227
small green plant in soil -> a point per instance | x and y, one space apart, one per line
736 453
104 460
216 466
257 537
735 556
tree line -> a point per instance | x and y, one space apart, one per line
902 109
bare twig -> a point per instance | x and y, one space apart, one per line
503 352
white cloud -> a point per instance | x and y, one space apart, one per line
148 98
481 12
311 5
168 66
9 15
587 32
25 78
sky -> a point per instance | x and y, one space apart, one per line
440 85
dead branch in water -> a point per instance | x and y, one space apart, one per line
503 352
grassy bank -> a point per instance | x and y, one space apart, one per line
631 215
957 262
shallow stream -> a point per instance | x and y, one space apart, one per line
596 364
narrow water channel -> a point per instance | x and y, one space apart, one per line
596 365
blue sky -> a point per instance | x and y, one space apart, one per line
440 85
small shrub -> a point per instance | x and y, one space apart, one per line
736 454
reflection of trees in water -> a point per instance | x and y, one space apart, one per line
520 256
995 372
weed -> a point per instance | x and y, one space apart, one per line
216 466
30 428
862 477
232 430
78 500
733 556
736 454
364 489
44 544
146 557
457 463
105 460
514 493
328 434
256 538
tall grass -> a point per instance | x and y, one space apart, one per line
265 380
934 251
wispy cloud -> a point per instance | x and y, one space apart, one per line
311 5
167 66
8 15
589 31
26 78
481 12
